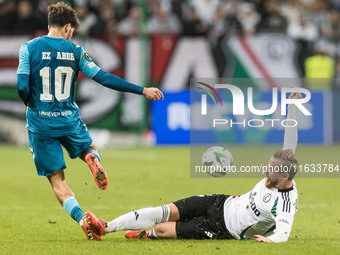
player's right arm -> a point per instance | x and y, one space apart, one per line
91 70
23 74
284 217
291 133
284 224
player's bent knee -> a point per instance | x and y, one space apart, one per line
166 230
56 177
174 213
160 231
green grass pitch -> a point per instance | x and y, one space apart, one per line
32 221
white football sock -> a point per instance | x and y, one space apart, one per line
139 219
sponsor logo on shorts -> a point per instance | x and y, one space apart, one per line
209 234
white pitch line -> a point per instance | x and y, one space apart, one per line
131 156
97 207
132 207
318 205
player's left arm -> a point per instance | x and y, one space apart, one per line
91 70
291 133
114 82
23 74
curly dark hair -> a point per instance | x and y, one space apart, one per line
61 14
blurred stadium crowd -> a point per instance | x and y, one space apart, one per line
308 20
189 38
313 24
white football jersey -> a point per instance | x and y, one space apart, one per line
262 211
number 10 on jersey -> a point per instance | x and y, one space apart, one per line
61 91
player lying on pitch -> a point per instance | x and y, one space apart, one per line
265 213
47 75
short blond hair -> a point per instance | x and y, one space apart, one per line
287 159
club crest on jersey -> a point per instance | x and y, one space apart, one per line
88 57
65 56
267 198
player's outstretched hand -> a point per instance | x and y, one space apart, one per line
153 94
263 239
295 95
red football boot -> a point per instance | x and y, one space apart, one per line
98 171
96 226
87 229
141 234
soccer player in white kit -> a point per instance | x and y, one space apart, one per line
265 213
